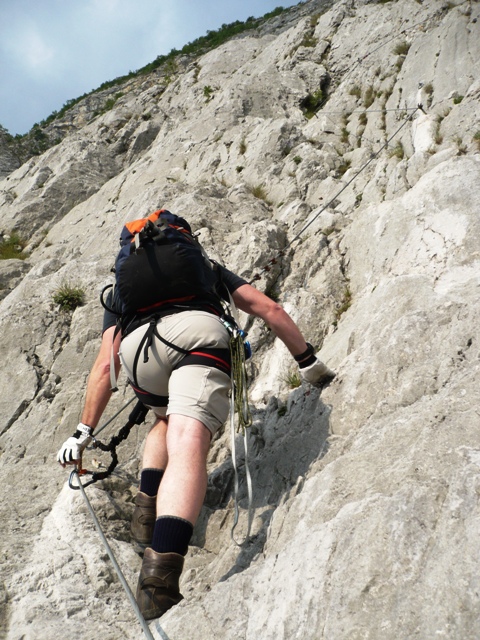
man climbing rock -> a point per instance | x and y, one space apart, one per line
174 348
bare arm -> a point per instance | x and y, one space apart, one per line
98 395
254 302
98 385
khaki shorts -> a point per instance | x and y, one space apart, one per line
195 390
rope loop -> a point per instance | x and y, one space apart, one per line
239 380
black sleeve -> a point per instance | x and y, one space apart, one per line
110 317
230 279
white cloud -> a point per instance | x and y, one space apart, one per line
108 6
33 50
27 48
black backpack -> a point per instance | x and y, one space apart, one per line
161 264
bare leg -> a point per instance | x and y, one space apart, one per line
154 461
179 500
155 454
184 483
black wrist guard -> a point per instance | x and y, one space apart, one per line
306 358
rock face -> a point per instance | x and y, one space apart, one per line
8 158
303 142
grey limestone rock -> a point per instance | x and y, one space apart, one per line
366 492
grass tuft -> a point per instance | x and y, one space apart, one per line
69 297
12 248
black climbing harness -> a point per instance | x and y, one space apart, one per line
137 416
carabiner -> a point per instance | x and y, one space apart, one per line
78 473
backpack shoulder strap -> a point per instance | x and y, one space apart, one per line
113 375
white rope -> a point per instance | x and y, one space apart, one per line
235 470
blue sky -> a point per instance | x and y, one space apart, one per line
54 50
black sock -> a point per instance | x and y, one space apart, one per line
150 481
171 535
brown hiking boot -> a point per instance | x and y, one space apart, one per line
143 520
158 587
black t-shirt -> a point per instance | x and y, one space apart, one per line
231 281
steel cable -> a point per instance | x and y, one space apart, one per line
131 597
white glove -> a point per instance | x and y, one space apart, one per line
73 447
317 373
